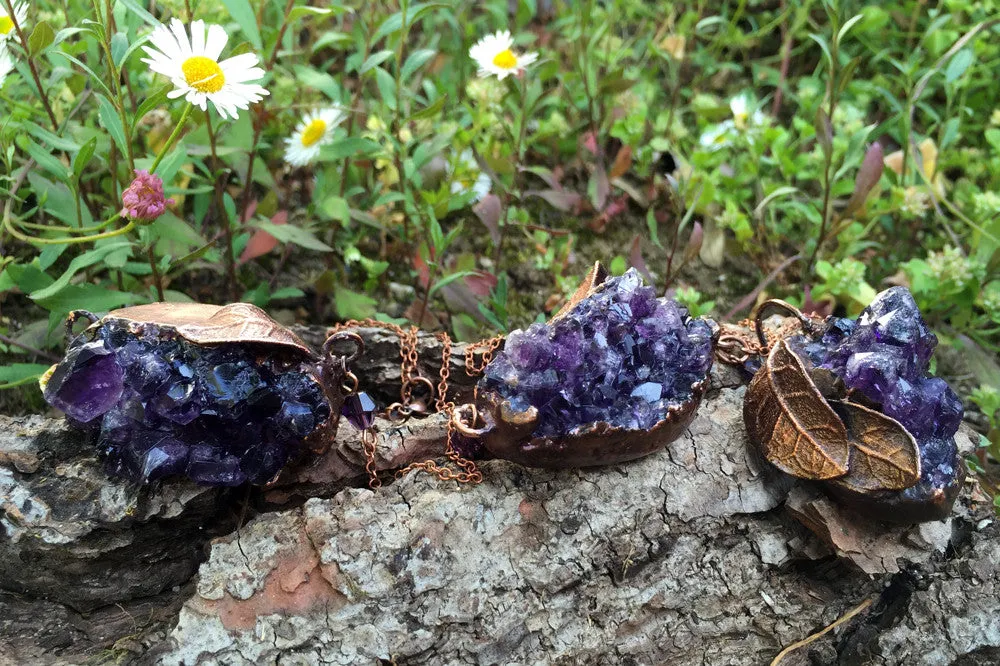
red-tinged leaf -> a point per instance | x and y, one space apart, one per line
423 270
251 209
488 211
868 177
694 242
561 199
481 284
262 242
551 178
590 142
636 260
622 163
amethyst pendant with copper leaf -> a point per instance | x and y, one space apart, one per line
852 406
221 395
616 375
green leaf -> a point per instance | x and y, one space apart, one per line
992 136
86 259
60 202
823 45
302 11
336 208
417 10
448 279
53 140
287 292
96 298
82 65
349 147
429 111
119 47
156 99
243 14
45 159
41 38
386 87
288 233
111 121
140 11
416 60
352 305
83 157
847 27
958 64
16 374
376 59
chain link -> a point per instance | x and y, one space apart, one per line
409 375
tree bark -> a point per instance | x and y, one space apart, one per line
693 555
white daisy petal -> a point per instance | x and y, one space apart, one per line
217 39
7 23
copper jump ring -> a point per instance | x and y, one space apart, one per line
359 345
781 306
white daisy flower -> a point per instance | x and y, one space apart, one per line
7 23
740 106
495 57
718 136
194 67
471 179
314 130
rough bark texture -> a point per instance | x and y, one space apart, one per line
693 555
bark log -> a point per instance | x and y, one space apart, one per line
690 556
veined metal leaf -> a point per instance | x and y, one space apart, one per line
884 455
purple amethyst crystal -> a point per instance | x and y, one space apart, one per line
885 356
221 415
621 356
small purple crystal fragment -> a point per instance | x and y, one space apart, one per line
87 383
221 415
359 410
620 356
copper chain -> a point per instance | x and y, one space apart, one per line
410 375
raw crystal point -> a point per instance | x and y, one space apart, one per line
87 382
621 356
220 415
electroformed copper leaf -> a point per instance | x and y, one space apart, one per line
791 423
212 324
884 455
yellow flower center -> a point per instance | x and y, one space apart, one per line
313 132
505 59
6 25
203 74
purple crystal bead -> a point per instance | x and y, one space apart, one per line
620 356
221 415
359 410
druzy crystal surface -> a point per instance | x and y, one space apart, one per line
885 355
220 415
620 356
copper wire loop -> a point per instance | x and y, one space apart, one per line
351 382
458 421
777 304
336 336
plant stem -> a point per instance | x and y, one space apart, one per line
36 352
227 225
518 148
173 137
157 280
23 39
241 210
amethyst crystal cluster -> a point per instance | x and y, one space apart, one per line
220 415
884 355
621 356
